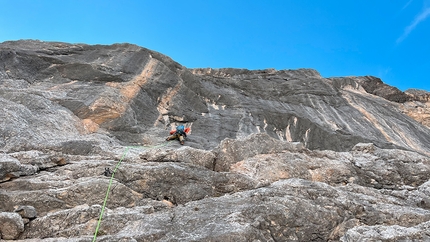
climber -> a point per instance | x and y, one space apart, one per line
180 133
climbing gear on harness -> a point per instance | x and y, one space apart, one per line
107 172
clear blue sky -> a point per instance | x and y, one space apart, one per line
389 39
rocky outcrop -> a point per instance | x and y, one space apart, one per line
272 155
418 107
375 86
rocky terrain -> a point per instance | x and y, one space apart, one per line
273 155
418 106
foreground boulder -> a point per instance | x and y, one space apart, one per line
11 226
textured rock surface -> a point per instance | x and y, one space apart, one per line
11 227
272 155
418 106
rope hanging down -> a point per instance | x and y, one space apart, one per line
111 180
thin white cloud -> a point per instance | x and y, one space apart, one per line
407 4
418 19
383 72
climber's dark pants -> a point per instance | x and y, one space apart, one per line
176 136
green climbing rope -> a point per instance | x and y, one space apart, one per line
111 180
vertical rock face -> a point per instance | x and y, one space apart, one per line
272 155
132 92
